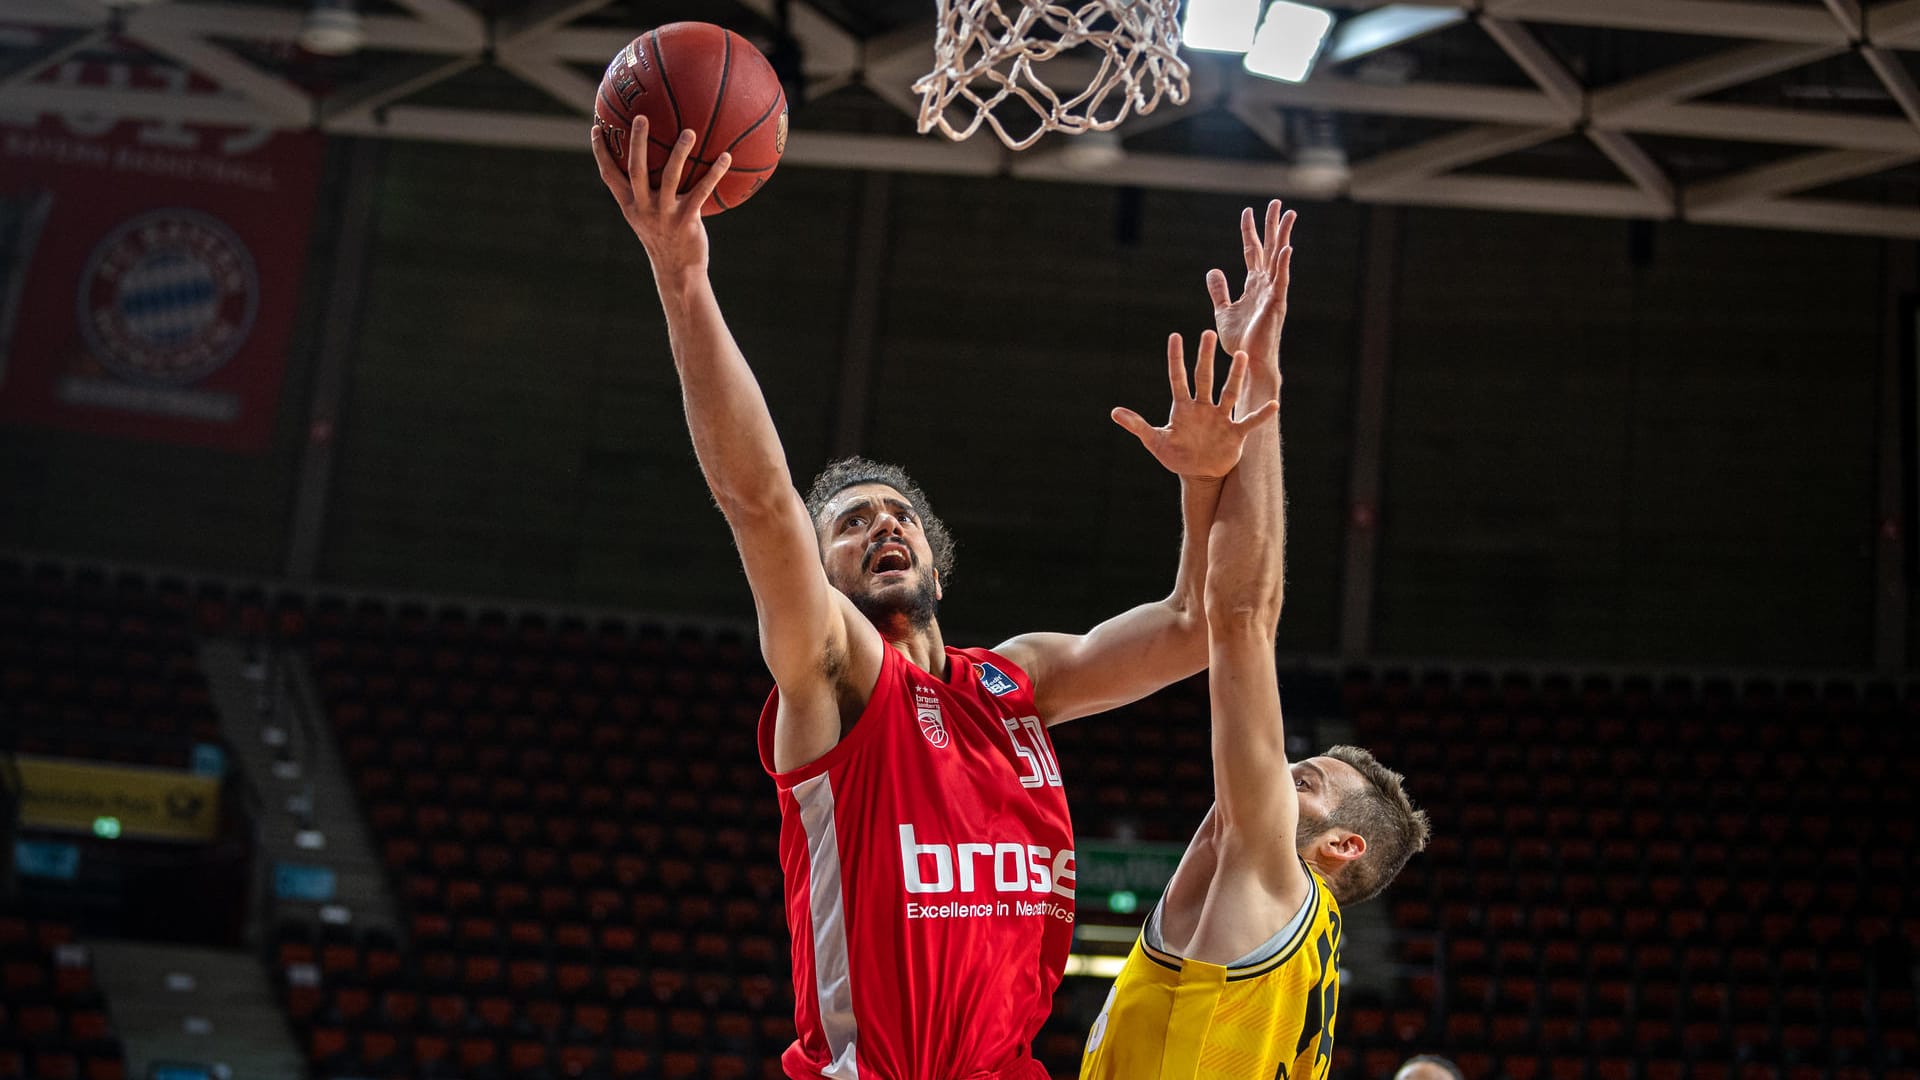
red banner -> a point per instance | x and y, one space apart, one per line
152 275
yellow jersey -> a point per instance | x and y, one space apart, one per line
1266 1017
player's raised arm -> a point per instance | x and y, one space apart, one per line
807 629
1135 652
1150 646
1200 442
1258 809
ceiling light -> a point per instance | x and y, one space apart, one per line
1387 28
333 28
1289 41
1092 151
1321 172
1220 25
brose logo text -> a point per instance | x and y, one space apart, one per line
966 868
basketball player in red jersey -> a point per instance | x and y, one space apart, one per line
924 837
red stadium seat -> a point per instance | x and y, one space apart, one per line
1614 1068
107 1065
641 1020
52 1063
1567 1068
377 1047
1363 1024
576 1059
36 1022
399 1007
324 1042
476 1052
1506 1029
1664 1069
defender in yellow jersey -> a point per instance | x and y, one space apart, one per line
1266 1015
1236 973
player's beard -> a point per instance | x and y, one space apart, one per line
917 604
1310 829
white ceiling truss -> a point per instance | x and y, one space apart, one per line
544 47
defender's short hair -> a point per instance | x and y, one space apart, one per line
849 472
1381 812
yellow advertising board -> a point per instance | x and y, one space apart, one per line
131 801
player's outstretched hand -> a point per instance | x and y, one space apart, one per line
1252 324
1201 439
667 223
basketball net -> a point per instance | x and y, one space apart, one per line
987 54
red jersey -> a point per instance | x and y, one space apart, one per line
929 876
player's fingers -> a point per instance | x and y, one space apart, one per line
1134 423
637 156
1236 382
610 174
1203 367
703 190
1271 230
1283 270
1284 236
676 164
1217 289
1249 239
1177 369
1267 411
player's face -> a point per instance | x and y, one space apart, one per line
875 552
1320 783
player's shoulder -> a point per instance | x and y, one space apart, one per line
997 673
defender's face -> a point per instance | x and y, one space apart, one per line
1320 784
874 550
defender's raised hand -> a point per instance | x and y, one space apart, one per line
1201 439
1252 324
667 223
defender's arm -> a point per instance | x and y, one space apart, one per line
1258 808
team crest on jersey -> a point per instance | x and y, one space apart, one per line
168 298
996 681
932 724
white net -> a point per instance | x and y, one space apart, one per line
1113 58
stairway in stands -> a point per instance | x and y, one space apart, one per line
215 1007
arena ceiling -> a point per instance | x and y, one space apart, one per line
1791 114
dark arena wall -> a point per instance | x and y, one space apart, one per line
1605 442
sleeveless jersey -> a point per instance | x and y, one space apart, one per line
929 879
1177 1019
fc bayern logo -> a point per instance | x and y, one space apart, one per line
168 298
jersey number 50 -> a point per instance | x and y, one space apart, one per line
1030 742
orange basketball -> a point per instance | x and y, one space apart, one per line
709 79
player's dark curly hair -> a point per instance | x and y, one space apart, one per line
849 472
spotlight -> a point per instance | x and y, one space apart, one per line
1220 25
1289 41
